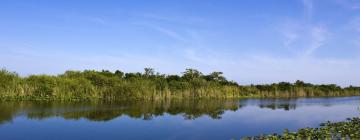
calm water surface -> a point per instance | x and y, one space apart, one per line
170 120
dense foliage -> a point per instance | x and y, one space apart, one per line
107 85
349 129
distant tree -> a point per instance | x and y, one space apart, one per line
173 78
215 76
6 78
106 73
191 74
299 83
149 72
119 73
132 75
284 86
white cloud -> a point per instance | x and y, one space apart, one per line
189 20
318 35
304 38
290 37
170 33
290 33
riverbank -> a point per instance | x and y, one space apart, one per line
149 85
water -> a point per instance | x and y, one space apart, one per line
171 120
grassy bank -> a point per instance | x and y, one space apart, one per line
149 85
349 129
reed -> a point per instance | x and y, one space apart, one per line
106 85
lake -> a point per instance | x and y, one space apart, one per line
168 119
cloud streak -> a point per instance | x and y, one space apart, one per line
170 33
318 36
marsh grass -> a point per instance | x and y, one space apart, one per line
106 85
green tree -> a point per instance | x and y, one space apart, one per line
119 73
215 76
148 72
191 74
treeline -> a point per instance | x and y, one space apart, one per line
107 85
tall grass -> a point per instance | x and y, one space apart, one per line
106 85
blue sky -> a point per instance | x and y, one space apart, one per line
251 41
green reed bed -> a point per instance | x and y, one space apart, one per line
150 85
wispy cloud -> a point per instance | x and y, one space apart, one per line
306 35
189 20
305 38
318 35
170 33
290 37
84 18
290 33
180 29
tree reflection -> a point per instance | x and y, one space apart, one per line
144 110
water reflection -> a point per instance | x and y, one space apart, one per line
189 109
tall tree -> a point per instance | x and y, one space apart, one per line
191 74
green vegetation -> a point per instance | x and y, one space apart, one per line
149 85
108 110
99 110
349 129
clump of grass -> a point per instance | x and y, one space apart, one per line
349 129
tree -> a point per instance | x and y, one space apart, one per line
132 75
215 76
173 78
119 73
106 73
299 83
149 72
191 74
7 78
284 86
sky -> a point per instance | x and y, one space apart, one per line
251 41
